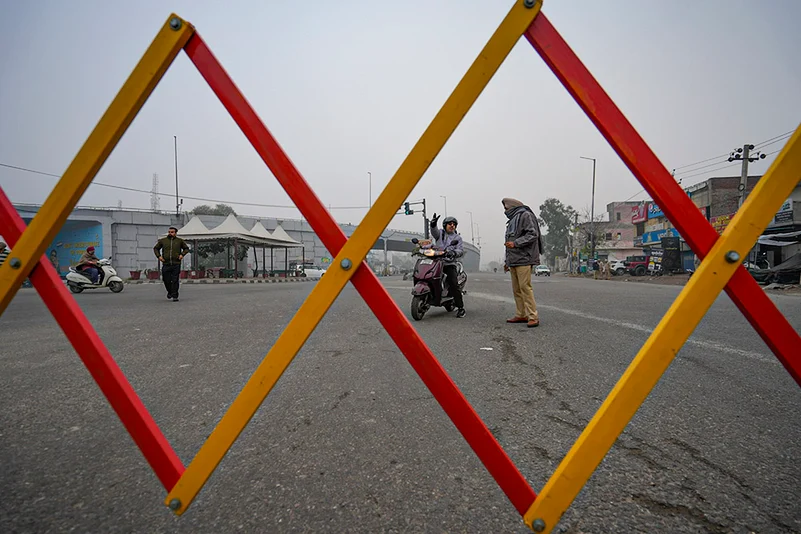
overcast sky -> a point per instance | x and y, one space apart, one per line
347 88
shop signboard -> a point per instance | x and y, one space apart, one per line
720 222
654 211
657 235
639 213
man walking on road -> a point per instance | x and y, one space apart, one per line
170 251
523 244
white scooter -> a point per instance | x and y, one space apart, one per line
78 281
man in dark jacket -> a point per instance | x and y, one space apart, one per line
170 251
449 241
523 244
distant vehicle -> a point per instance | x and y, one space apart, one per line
542 270
637 265
306 270
618 267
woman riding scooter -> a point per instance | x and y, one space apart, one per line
449 241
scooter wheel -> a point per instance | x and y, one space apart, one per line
75 289
116 287
419 307
449 307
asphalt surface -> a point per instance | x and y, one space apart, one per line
350 440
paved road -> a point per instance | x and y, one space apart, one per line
350 439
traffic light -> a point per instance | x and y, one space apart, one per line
408 211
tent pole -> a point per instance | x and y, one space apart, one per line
236 258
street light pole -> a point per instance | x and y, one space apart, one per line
370 181
177 204
592 211
446 204
472 235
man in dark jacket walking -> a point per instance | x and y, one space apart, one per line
170 251
523 244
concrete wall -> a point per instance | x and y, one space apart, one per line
725 196
130 235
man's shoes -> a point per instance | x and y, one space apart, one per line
460 313
533 322
175 299
517 320
169 297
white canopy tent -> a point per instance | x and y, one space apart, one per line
280 234
231 230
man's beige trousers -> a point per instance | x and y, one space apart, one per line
524 294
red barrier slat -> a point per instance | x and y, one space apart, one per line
96 357
374 294
746 294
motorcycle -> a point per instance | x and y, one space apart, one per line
430 288
77 280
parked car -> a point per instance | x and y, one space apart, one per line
637 265
618 267
542 270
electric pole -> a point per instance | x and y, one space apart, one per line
425 220
592 211
744 154
177 204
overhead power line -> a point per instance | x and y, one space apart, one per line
762 144
201 199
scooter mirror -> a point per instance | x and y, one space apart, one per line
415 240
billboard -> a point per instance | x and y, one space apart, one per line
785 213
656 236
671 258
720 222
639 213
654 211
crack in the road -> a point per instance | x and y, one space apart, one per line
558 419
642 455
564 406
745 488
509 350
340 398
697 456
672 510
541 451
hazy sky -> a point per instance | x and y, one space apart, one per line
347 87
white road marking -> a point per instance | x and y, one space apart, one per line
705 344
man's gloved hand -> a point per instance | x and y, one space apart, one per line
434 219
450 255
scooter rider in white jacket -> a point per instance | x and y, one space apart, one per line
449 241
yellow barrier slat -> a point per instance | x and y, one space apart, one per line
667 339
90 158
328 288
